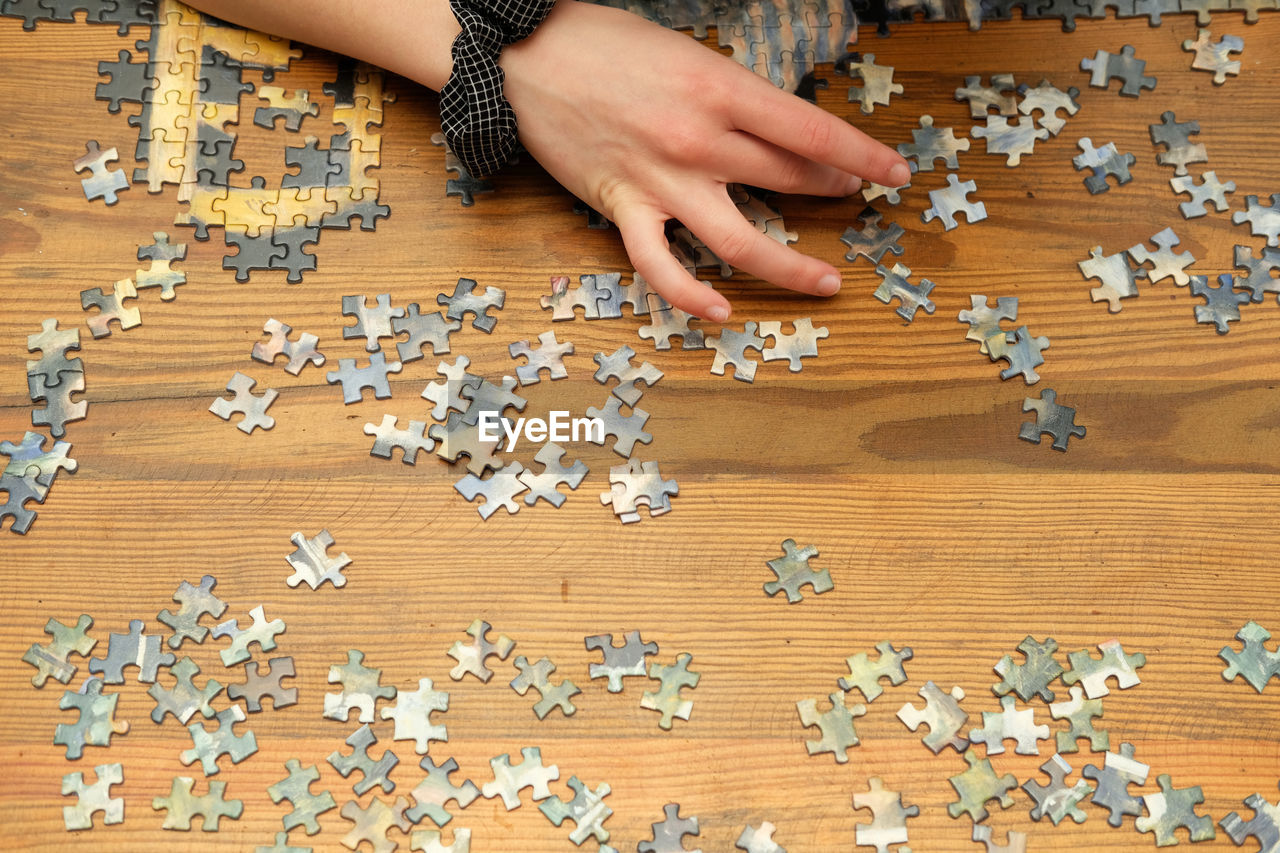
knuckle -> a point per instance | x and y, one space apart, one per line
734 246
817 132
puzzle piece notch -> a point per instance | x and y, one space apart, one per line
865 675
618 366
1264 220
361 690
291 108
625 661
471 657
97 718
422 329
209 746
666 700
1175 136
792 571
1264 826
1101 163
1171 809
93 798
877 82
942 714
372 322
1056 800
182 805
54 344
260 631
1105 67
1165 262
1257 280
667 322
20 490
1052 419
51 659
296 788
1255 663
895 284
1119 278
548 355
59 410
627 430
889 817
835 723
984 321
509 780
111 308
103 181
373 376
160 274
373 773
252 406
929 144
455 439
257 686
372 823
299 353
758 839
499 489
998 96
1011 139
953 199
1079 714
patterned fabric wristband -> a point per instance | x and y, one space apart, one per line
477 120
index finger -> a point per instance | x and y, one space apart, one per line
810 131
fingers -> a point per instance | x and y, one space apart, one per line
717 222
751 160
796 125
643 235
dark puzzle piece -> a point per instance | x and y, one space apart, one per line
1051 419
258 685
295 259
1122 66
313 165
129 82
1222 303
366 208
256 253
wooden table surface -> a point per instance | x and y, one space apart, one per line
895 452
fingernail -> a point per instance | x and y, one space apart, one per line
899 175
828 284
855 184
717 313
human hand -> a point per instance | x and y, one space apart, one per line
645 125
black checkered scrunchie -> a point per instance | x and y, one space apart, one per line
477 120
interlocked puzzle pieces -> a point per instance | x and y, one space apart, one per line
587 810
181 805
260 631
984 321
184 699
1102 162
97 719
132 649
196 601
636 484
1176 137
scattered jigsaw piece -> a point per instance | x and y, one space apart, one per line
835 723
801 343
618 366
1255 663
93 798
296 788
1105 67
667 322
1264 220
1215 57
279 106
1102 162
1222 303
982 834
929 144
1056 800
598 295
311 562
435 790
355 379
373 322
412 713
97 718
466 301
300 353
252 406
587 810
1117 773
1010 724
1210 189
1171 809
545 486
361 689
669 832
132 649
892 195
1257 280
181 805
953 199
998 96
628 660
759 839
103 181
59 411
538 676
465 186
1052 419
486 397
1118 277
942 714
471 656
455 439
390 436
196 601
1033 677
185 698
1048 99
977 785
1165 262
871 241
509 780
1012 140
373 773
1176 137
638 484
160 274
894 284
111 308
51 659
548 355
372 823
54 344
446 395
877 83
793 572
20 491
865 675
1079 714
260 631
666 700
889 817
257 686
422 329
984 321
627 430
731 348
1092 673
499 489
1264 826
209 746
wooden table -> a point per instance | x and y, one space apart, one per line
895 452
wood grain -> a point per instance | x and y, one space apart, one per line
896 452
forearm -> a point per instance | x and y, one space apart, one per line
409 37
